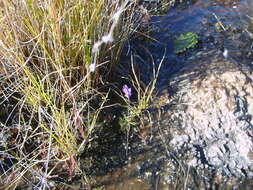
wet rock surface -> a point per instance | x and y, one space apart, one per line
212 114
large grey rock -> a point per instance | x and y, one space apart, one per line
213 113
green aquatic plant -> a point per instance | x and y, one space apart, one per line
185 41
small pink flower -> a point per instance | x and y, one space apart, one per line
127 91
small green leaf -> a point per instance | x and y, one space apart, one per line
185 41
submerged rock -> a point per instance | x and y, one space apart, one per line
211 116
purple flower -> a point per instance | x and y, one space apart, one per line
127 91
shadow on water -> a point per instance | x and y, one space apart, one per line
221 25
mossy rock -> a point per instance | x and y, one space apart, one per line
185 41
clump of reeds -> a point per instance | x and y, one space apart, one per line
54 57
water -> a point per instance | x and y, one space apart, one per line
222 25
202 17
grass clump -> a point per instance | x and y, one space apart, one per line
50 97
